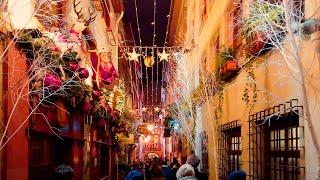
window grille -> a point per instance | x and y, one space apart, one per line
276 143
229 148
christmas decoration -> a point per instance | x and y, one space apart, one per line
74 66
163 56
149 61
157 109
108 73
134 56
51 81
83 73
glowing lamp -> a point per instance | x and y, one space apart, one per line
149 61
150 127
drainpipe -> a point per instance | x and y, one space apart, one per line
116 36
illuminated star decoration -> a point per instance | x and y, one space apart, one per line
144 109
156 109
163 56
133 56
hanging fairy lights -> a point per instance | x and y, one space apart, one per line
152 60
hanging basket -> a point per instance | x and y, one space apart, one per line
256 43
228 69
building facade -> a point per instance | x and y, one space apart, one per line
40 131
256 116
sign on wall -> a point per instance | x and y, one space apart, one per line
152 147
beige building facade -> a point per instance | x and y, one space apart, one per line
255 121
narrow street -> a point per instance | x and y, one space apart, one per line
159 89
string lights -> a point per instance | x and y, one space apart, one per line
150 57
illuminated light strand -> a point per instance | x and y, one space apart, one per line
154 21
147 79
153 44
141 71
137 20
140 58
152 85
167 30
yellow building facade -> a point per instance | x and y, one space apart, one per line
257 122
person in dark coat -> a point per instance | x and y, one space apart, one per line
135 173
237 175
174 162
165 170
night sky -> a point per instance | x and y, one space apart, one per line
145 14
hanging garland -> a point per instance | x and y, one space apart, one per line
250 87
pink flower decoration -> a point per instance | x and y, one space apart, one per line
52 82
61 38
74 66
96 94
83 73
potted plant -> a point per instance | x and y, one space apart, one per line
228 65
261 25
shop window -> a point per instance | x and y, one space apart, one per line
275 143
229 148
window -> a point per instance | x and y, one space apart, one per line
229 148
204 152
275 143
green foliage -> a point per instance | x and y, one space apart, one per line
250 87
71 55
225 55
262 17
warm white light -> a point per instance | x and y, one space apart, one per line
150 127
156 109
147 139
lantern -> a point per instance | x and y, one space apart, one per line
149 61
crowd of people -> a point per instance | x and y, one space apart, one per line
154 169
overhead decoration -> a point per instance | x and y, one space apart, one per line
134 56
149 61
157 109
163 56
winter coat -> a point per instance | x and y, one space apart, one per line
187 178
166 172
